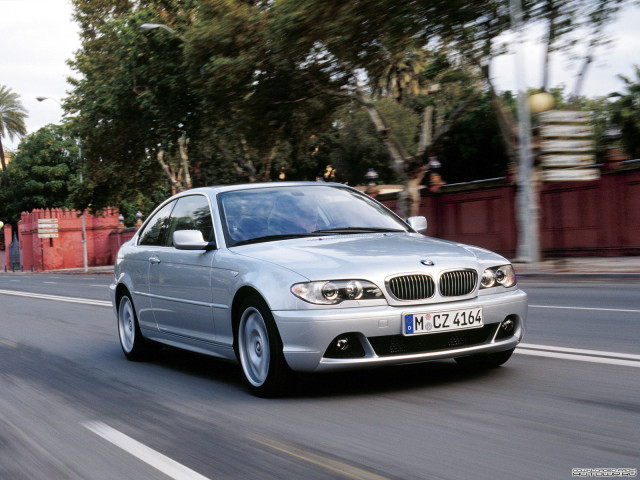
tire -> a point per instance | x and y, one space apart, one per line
134 345
489 360
259 349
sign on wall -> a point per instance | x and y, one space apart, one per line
566 146
47 228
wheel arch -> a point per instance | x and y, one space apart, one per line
236 311
121 291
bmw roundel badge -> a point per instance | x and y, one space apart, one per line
428 263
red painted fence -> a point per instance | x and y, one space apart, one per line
597 218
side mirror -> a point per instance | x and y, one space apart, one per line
191 240
419 224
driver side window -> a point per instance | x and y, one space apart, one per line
154 230
191 213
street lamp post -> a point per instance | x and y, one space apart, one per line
84 229
151 26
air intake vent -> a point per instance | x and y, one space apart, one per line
460 282
412 287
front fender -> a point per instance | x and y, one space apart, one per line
273 282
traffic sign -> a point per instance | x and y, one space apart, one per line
564 116
47 228
567 160
566 131
566 141
570 175
566 146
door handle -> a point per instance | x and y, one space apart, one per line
154 260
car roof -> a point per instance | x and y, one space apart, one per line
215 189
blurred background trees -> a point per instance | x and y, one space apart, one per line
626 113
227 91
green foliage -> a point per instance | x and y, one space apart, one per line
626 113
42 174
12 116
131 100
354 146
222 82
600 109
473 149
261 89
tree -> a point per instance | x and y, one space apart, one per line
218 93
475 36
473 149
379 47
354 145
570 23
42 174
253 90
131 104
626 113
12 116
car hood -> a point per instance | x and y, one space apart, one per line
364 256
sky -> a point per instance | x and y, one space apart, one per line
39 36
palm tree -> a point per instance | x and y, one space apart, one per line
12 115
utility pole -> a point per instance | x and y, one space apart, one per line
528 237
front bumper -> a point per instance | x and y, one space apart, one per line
307 334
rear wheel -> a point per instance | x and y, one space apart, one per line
260 349
489 360
134 345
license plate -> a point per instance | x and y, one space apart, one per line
435 322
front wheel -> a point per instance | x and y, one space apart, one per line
134 345
260 349
489 360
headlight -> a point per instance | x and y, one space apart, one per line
333 292
498 276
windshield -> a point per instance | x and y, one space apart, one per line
277 213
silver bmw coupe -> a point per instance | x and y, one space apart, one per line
309 277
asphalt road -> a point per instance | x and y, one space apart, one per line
71 406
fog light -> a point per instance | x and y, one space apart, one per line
342 344
508 325
345 345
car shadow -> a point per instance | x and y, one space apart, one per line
377 380
410 377
197 365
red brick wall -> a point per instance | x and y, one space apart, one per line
117 238
5 262
66 250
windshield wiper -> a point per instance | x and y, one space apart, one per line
358 230
273 238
